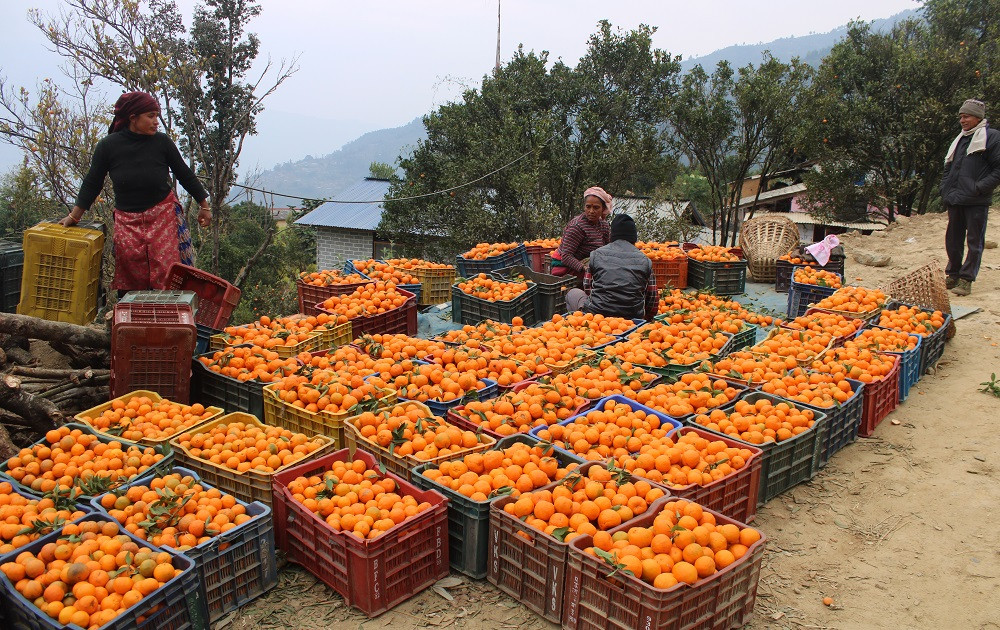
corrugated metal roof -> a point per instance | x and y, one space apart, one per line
804 218
778 193
352 216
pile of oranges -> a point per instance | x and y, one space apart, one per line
812 388
661 251
817 277
91 574
174 511
482 251
369 299
693 392
883 340
409 430
604 377
416 263
72 460
751 368
713 253
910 319
378 270
331 391
839 326
250 363
517 469
537 404
24 519
684 543
547 243
473 336
433 382
613 430
242 446
852 299
689 458
330 277
355 499
659 344
801 345
288 331
759 422
860 364
141 417
486 288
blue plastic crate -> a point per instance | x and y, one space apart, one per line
664 418
234 567
909 368
931 346
179 600
801 295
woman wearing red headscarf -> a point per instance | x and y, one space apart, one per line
585 233
139 160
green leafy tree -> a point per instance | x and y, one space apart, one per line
381 170
515 155
733 123
23 201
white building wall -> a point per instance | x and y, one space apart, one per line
335 245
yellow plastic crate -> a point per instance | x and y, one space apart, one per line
281 414
100 409
335 336
220 341
62 273
248 486
435 284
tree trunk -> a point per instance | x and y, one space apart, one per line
84 357
7 447
69 334
39 414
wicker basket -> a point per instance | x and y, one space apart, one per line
923 287
763 240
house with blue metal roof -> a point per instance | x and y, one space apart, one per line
345 228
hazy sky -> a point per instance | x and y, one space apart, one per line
371 65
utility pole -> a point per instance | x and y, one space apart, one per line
498 36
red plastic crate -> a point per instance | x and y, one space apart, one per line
880 398
734 495
310 294
371 575
673 272
721 601
151 348
216 297
398 320
537 257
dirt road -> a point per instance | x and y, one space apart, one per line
897 529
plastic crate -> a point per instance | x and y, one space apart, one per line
528 564
178 600
466 309
787 463
251 485
310 294
11 264
468 520
931 346
665 420
723 600
204 336
309 344
802 363
154 296
439 408
100 409
468 268
402 320
219 390
909 368
216 297
801 295
61 273
672 273
550 291
281 414
454 415
843 422
435 284
234 567
151 348
403 465
333 336
745 338
724 278
783 271
165 463
734 495
880 398
371 575
538 257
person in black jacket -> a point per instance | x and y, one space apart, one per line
619 278
148 218
971 172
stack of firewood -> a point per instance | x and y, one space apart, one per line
34 399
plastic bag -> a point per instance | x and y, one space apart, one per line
821 251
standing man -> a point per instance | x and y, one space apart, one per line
971 172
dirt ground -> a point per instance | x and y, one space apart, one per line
897 529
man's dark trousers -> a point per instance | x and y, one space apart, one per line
965 223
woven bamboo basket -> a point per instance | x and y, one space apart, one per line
923 287
765 239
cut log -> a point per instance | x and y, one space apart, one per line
7 447
17 356
57 374
80 357
39 414
70 334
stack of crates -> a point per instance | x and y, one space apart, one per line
151 348
11 262
62 273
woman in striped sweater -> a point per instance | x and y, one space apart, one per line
584 233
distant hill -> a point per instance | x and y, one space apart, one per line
327 175
324 177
